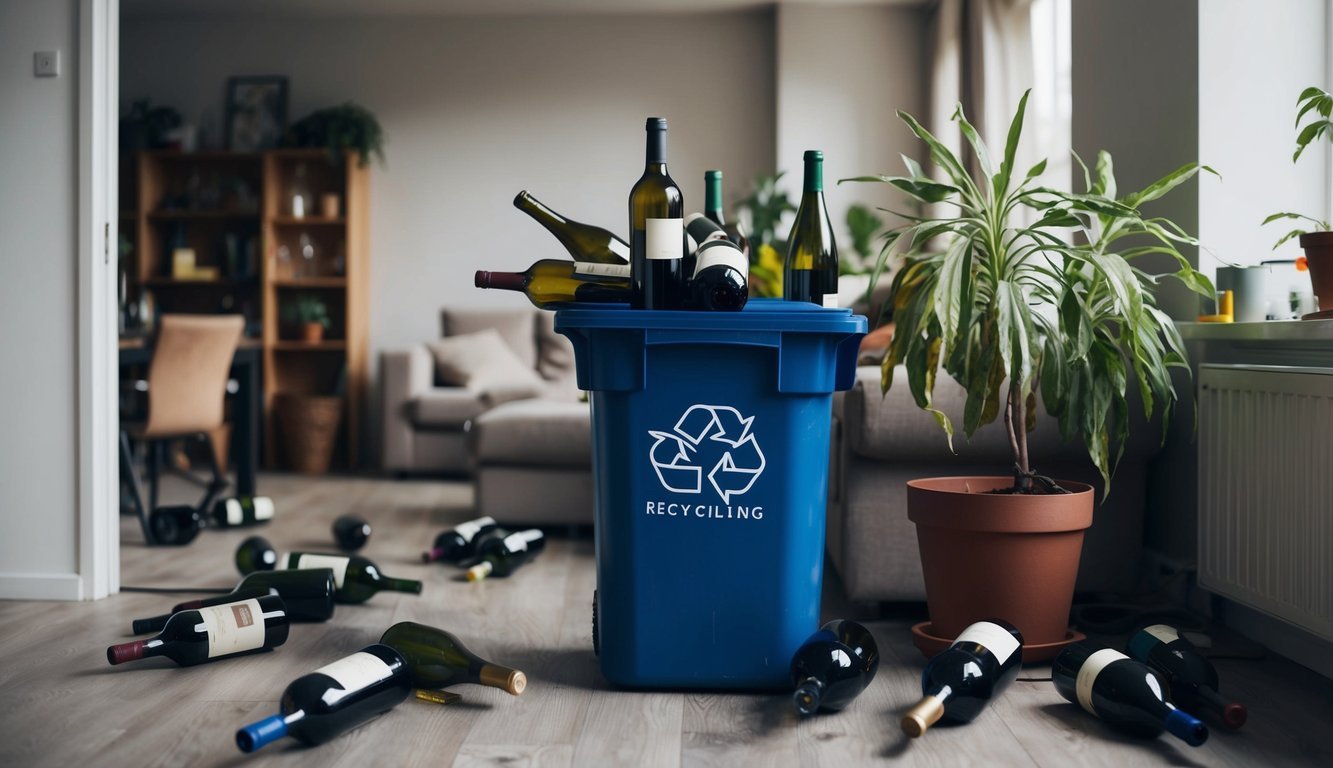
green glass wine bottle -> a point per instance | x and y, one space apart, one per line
583 241
502 556
255 554
551 283
657 228
438 659
356 577
810 272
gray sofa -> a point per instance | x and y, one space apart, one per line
881 442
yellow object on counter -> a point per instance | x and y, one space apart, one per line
1226 310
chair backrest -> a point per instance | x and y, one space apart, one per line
187 380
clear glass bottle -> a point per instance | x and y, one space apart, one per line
301 200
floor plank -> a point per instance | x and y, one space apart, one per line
61 704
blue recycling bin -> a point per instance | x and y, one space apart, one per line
710 461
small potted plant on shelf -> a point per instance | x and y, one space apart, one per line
1317 241
311 316
347 127
1014 313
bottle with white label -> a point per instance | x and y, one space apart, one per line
499 556
1191 677
810 272
1123 692
657 228
720 278
833 666
583 241
356 577
307 596
207 634
960 681
459 543
439 659
553 283
242 510
334 699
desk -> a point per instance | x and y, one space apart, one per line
245 410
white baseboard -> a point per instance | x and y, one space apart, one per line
41 586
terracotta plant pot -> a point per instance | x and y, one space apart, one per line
1319 258
312 333
1013 557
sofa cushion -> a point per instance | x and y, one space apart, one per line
535 433
516 326
483 363
446 407
555 353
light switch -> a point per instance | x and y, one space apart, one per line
46 63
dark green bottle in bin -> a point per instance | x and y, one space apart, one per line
710 451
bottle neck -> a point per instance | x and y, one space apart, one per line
808 695
434 554
266 731
655 154
402 585
533 207
506 281
508 680
1232 714
814 176
713 196
927 712
480 570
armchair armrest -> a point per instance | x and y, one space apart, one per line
404 375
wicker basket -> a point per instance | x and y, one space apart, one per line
308 428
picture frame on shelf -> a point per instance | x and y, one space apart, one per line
256 112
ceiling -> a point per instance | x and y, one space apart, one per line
381 8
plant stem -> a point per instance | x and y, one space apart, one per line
1015 421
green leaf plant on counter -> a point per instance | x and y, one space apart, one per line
1320 103
1019 291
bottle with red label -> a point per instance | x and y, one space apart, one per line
212 633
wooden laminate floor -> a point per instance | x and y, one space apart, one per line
61 704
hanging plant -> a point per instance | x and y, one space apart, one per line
348 127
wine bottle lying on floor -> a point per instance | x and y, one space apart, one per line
334 699
458 544
350 533
307 594
961 680
498 556
357 578
242 510
1123 692
256 554
438 659
207 634
1191 678
833 666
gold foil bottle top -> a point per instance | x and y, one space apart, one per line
926 713
509 680
480 571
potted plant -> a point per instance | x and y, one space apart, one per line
763 208
311 316
1317 242
1013 312
347 127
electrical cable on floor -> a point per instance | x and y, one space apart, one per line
182 590
1034 679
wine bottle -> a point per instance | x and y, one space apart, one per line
307 596
810 272
1190 677
458 543
713 210
833 666
256 554
205 634
657 228
438 659
174 525
334 699
1123 692
720 277
551 283
502 556
356 578
242 510
583 241
350 533
960 681
700 230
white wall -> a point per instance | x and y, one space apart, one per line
478 108
39 455
1247 109
842 71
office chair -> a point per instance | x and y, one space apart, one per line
187 383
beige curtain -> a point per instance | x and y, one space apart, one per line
981 57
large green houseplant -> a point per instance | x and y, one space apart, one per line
1019 293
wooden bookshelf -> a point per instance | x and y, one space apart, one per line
233 209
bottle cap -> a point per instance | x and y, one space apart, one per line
655 124
926 713
1186 727
480 571
256 735
814 154
1234 715
511 681
711 175
131 651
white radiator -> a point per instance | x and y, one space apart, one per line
1266 490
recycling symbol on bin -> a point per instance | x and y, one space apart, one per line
715 437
